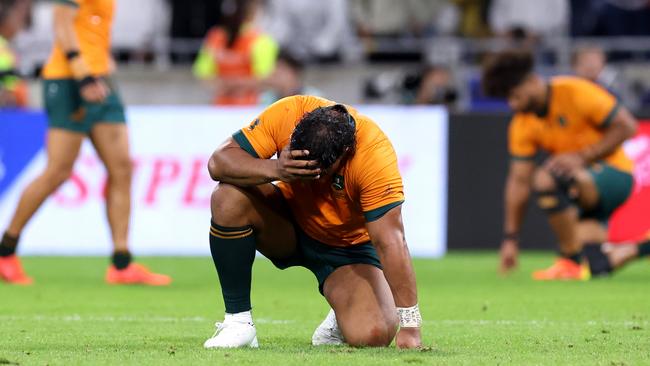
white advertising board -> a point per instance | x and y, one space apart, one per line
171 187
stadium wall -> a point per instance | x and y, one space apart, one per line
171 187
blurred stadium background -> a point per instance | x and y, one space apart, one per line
415 65
412 65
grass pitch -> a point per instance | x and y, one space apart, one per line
472 316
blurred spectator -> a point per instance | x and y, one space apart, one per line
435 86
406 17
584 16
309 30
590 62
286 80
14 15
236 55
473 18
623 18
529 20
430 85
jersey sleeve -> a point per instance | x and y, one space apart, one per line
521 144
379 181
264 137
595 103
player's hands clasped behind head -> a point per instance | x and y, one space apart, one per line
293 165
95 92
509 253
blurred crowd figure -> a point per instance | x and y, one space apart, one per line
256 50
287 79
529 20
309 30
236 54
590 62
14 16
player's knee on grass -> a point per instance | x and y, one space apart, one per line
230 206
371 334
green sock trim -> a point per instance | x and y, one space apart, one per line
233 253
576 258
644 249
8 245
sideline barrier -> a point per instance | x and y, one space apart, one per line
171 187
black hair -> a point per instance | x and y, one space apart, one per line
290 59
505 71
234 13
5 7
327 133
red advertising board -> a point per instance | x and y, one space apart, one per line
632 221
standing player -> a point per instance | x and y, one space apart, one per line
336 211
81 100
587 175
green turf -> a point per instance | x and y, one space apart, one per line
472 317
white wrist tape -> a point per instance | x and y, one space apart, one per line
410 317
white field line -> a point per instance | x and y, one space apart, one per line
200 319
126 318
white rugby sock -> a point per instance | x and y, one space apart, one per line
242 317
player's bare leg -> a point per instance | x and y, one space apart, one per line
111 142
564 220
364 305
244 220
62 151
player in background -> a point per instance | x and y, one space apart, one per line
336 211
14 14
586 175
606 258
80 101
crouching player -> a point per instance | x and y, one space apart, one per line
336 211
587 175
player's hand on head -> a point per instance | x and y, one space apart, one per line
565 165
408 338
95 92
509 254
293 165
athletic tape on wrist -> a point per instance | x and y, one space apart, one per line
410 317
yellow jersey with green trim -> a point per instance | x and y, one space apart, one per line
335 208
577 114
92 27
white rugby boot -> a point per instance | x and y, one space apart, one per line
237 330
328 332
